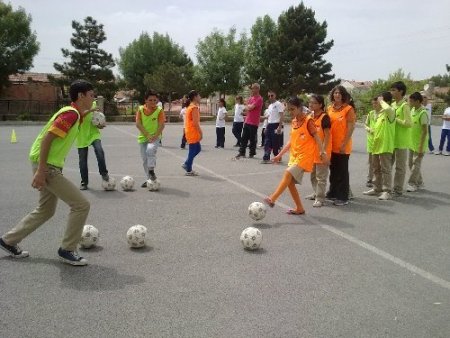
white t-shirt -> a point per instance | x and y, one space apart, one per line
220 120
183 113
428 109
274 112
238 110
446 124
266 115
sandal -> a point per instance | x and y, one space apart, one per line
269 201
293 212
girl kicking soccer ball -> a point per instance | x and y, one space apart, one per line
302 146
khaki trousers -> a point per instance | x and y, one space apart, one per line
58 187
319 176
400 157
370 169
415 163
382 169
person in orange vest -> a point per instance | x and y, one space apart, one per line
302 146
343 119
320 170
193 131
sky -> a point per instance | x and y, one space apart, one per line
372 38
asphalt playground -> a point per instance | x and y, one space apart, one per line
369 269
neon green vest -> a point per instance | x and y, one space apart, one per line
371 118
88 132
402 133
149 122
60 147
416 130
384 134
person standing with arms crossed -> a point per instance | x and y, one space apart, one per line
402 141
47 156
150 122
250 130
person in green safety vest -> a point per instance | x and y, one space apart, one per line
419 140
47 156
150 122
89 135
369 126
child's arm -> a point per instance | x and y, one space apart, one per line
196 121
141 127
423 135
283 151
407 114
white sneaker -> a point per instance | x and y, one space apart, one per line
371 192
446 153
317 204
438 152
421 186
311 197
385 196
411 188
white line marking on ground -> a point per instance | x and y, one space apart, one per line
410 267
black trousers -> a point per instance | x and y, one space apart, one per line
220 133
339 177
237 131
249 133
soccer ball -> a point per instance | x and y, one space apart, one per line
136 236
251 238
98 119
89 237
109 185
153 185
257 211
127 183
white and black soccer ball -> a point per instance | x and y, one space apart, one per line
251 238
257 211
110 184
98 119
136 236
89 236
153 185
127 183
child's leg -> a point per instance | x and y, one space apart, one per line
296 197
370 171
143 149
100 154
285 181
83 163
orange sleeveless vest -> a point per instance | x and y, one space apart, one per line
303 146
318 124
191 133
339 128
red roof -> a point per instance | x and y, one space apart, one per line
34 77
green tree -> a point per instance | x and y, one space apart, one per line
88 61
221 62
445 83
18 44
259 53
297 64
144 56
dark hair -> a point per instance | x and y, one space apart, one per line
191 96
239 99
346 98
400 86
149 93
79 86
387 97
295 101
416 96
183 101
222 100
320 99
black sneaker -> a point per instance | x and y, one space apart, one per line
83 186
71 257
152 176
144 185
340 202
252 156
105 177
13 250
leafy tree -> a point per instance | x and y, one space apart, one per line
258 53
145 56
445 83
88 61
297 63
220 60
18 44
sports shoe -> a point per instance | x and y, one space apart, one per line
340 203
144 185
385 196
311 197
371 192
317 204
105 177
266 162
397 194
71 257
13 250
83 186
184 166
152 176
446 153
421 186
251 156
411 188
438 152
369 184
239 156
191 173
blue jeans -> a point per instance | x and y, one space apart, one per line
194 150
83 160
430 140
445 134
148 155
272 141
237 131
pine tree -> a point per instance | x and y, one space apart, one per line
88 61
